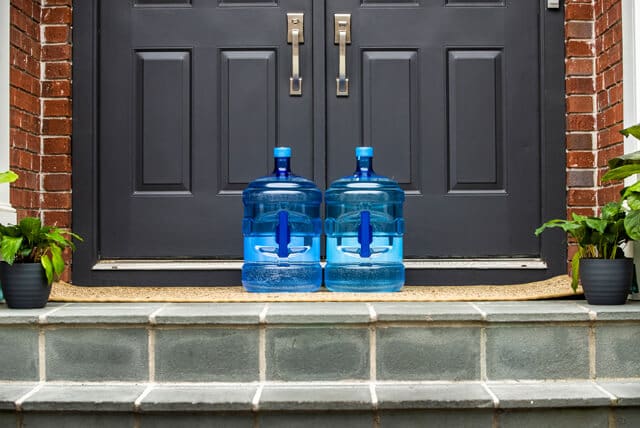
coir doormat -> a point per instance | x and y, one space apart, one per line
557 287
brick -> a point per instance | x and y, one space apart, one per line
581 122
56 15
56 34
57 107
579 67
580 159
579 141
57 145
57 163
579 30
580 85
56 200
56 52
24 101
581 197
56 126
56 182
57 70
578 11
580 48
57 218
57 88
580 178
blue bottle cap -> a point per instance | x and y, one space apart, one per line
282 152
364 152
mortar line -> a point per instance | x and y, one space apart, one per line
262 345
18 403
42 356
483 343
592 351
494 397
613 398
151 343
373 368
42 318
255 402
142 396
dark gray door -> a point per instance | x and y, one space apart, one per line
447 94
193 97
178 103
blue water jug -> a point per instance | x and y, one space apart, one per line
364 228
281 229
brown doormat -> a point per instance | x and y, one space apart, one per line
559 286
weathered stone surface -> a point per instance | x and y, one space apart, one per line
19 353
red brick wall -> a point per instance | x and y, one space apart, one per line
41 104
593 31
56 112
41 108
26 123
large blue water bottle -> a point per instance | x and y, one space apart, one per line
364 228
281 229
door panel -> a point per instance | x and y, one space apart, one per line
193 99
447 94
178 104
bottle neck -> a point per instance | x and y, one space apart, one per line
282 167
364 166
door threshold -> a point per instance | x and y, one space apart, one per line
150 265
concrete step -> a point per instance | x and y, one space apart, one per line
350 364
348 404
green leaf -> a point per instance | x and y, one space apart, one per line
632 225
628 191
610 210
8 177
632 130
598 224
628 159
633 200
9 246
30 227
575 269
45 261
58 261
621 172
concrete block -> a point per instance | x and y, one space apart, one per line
19 353
317 353
428 353
206 355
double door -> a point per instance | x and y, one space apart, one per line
193 95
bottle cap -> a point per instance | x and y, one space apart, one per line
282 152
364 152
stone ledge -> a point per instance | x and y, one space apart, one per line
318 396
319 313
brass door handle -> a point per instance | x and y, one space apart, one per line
342 30
295 36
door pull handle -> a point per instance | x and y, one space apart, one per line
342 30
295 36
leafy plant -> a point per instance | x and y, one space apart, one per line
620 168
30 242
597 237
8 177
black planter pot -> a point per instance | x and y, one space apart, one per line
24 285
606 282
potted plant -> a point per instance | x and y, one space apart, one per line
599 262
620 168
32 260
7 177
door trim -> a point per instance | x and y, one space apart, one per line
86 72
